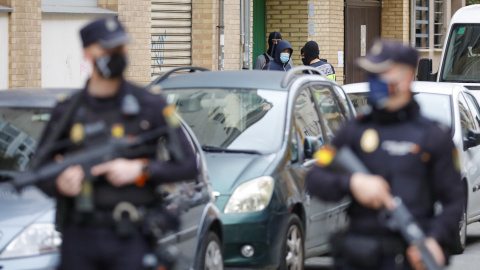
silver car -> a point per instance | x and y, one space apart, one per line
455 107
28 239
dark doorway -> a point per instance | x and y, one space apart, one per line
259 29
362 27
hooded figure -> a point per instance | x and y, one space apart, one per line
263 59
310 57
283 55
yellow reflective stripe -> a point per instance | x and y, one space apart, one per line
332 76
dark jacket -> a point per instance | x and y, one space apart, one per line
276 64
150 117
415 155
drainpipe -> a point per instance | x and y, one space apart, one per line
221 40
242 30
246 28
412 23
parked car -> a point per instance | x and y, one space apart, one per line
259 130
454 107
28 239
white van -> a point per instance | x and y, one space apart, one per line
460 61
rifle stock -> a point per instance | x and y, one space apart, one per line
398 219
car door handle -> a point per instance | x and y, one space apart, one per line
476 188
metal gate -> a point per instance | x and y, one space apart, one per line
362 27
171 35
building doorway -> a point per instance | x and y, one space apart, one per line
362 27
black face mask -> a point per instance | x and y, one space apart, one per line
305 61
111 66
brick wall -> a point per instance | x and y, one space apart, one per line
396 20
135 16
329 31
290 18
109 4
25 43
205 33
233 46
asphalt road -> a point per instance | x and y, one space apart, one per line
469 260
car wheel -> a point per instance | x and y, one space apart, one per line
293 246
211 253
461 237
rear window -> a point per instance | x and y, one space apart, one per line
20 131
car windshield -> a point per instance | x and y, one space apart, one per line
462 60
233 119
20 130
436 107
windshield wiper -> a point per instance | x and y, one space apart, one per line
6 176
209 148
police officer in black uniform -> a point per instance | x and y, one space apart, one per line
409 157
92 236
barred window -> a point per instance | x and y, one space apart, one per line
429 17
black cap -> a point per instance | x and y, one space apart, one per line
385 53
107 32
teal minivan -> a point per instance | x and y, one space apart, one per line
259 130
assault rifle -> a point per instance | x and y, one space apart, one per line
99 146
398 219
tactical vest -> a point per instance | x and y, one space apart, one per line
397 153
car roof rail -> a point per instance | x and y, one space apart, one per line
170 72
292 72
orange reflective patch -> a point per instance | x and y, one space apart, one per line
324 156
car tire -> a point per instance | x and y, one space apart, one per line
211 252
293 249
461 236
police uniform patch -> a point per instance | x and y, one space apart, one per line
144 124
117 130
77 133
324 156
369 141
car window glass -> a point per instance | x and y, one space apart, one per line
231 118
358 99
20 130
343 102
306 116
331 112
466 119
472 103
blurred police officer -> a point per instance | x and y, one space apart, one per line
408 155
93 237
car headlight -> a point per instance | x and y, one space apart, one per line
36 239
251 196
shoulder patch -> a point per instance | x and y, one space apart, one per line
155 89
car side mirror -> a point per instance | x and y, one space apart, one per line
310 146
425 70
472 140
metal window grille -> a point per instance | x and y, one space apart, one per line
429 24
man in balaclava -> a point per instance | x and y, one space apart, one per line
268 56
310 57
